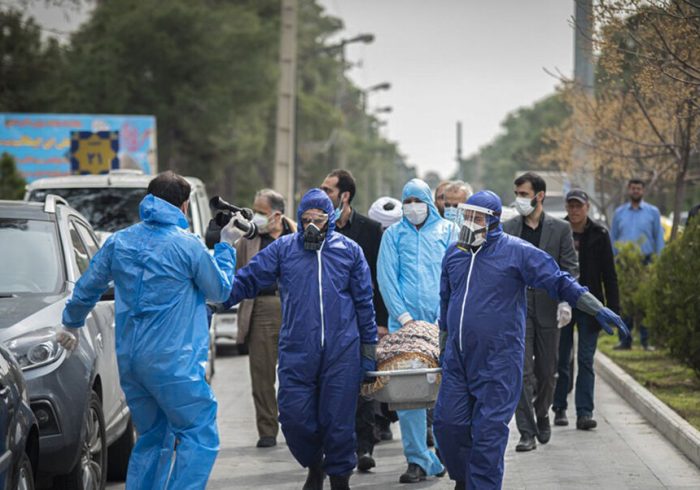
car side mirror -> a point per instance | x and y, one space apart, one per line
108 295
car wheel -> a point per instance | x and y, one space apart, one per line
89 472
24 476
119 453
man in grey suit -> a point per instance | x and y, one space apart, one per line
544 315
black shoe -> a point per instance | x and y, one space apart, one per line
413 474
365 462
266 441
314 480
586 422
430 439
460 485
526 444
340 482
560 418
442 473
386 434
544 429
622 346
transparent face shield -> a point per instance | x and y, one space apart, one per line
475 226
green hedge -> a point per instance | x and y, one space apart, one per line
666 294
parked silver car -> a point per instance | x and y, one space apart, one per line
76 398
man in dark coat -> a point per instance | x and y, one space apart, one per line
597 266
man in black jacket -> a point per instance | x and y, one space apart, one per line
597 266
367 233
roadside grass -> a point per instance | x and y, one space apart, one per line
674 384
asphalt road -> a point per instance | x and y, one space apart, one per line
623 452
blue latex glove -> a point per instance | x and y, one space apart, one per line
367 365
609 319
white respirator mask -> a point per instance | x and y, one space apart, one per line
524 205
415 212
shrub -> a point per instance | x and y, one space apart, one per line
631 276
11 181
672 297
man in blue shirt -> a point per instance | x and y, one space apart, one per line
639 222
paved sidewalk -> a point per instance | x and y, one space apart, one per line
623 453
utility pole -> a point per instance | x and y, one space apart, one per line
584 80
284 177
460 165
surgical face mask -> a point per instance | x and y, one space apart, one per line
338 212
415 212
454 215
525 206
471 235
313 237
261 221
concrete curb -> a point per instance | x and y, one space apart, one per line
676 429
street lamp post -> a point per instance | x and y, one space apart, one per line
340 94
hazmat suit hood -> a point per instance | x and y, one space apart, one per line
156 210
316 199
489 200
420 190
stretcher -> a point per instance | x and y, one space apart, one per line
407 389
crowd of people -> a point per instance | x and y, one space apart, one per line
316 295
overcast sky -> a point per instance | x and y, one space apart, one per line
448 60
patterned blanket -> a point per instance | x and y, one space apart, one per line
414 346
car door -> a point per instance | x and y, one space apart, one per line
113 400
6 395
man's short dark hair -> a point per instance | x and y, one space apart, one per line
636 181
170 187
274 199
346 182
538 184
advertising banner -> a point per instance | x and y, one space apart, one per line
42 144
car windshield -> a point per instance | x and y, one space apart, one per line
106 208
30 261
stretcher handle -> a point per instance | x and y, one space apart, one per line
404 372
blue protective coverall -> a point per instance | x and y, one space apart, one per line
483 307
162 275
327 313
408 273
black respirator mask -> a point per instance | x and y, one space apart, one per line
313 237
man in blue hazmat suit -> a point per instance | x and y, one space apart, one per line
162 275
408 273
327 339
482 323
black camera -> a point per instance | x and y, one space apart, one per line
223 212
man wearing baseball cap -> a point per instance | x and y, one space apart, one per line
597 266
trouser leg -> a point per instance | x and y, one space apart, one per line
546 362
566 341
262 357
585 381
150 457
624 339
453 420
493 409
189 405
365 425
339 386
298 405
524 415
